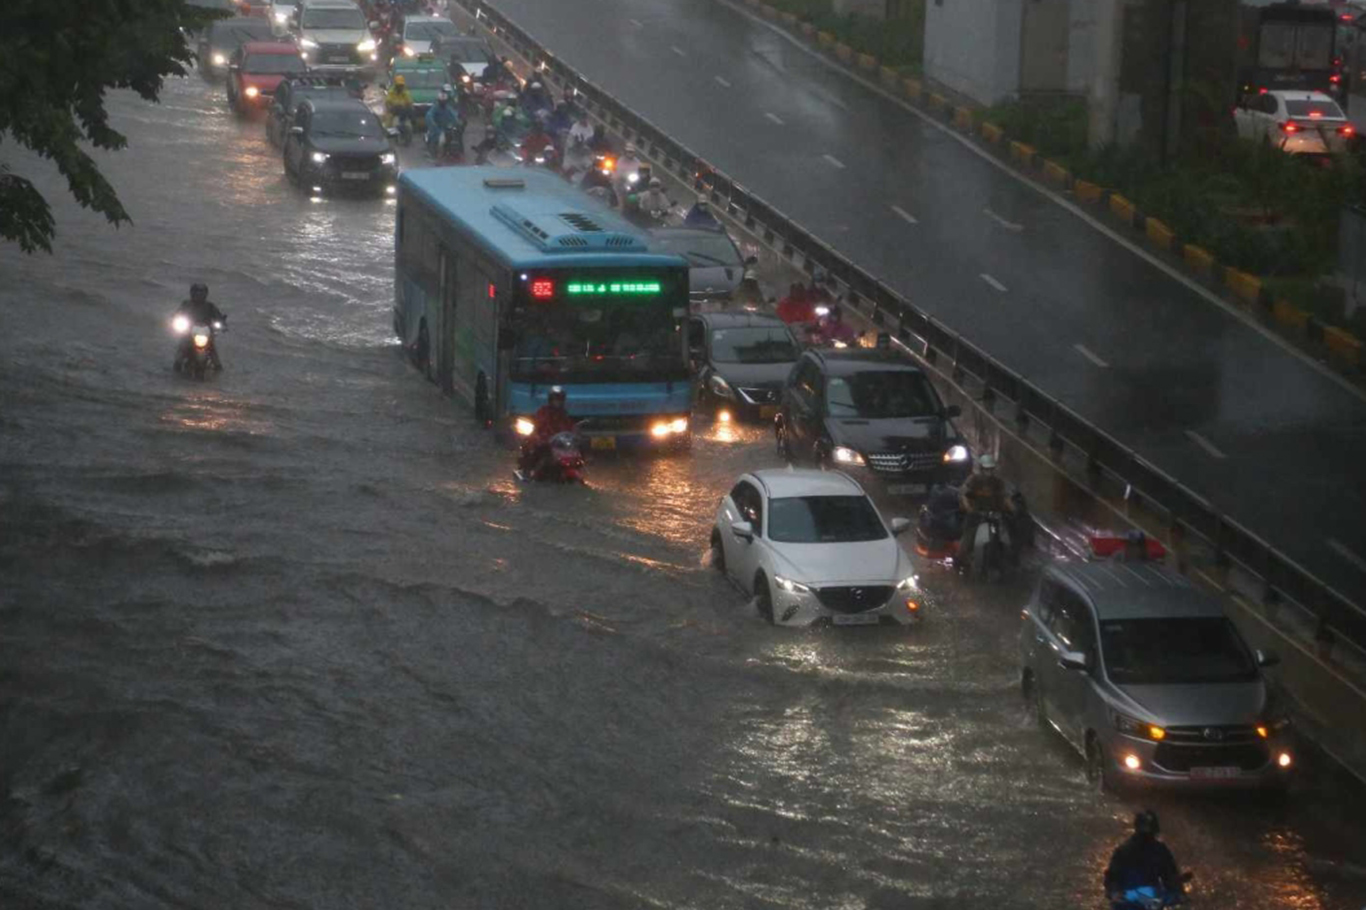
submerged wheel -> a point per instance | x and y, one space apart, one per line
763 599
780 443
1034 701
482 409
1099 773
718 552
422 351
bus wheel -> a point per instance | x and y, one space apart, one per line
481 401
422 354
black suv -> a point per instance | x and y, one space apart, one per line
741 360
291 93
874 415
336 145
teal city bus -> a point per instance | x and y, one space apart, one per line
510 282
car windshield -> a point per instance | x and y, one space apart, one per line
1148 652
351 19
880 395
756 344
273 64
429 31
700 248
466 51
430 78
347 124
234 33
823 519
1314 110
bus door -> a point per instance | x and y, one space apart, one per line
445 367
507 349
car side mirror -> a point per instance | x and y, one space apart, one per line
953 411
392 132
1075 660
743 530
900 525
1267 658
296 131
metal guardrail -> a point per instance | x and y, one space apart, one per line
1282 578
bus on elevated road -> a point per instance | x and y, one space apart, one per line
509 283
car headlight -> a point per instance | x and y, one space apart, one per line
408 51
846 455
909 583
679 425
956 455
308 43
790 586
720 387
1133 727
388 158
366 46
319 157
219 60
251 91
524 426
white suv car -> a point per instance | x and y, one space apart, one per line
811 547
334 37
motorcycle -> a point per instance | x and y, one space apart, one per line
939 532
450 148
1151 897
564 464
197 352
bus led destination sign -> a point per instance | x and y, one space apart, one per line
612 288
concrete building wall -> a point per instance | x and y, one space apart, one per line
973 47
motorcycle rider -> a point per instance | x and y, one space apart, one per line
700 215
599 143
398 104
581 132
551 419
628 167
537 142
440 117
536 99
982 492
598 182
654 202
1142 861
199 310
832 328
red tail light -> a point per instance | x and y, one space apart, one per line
1290 127
1346 131
1335 78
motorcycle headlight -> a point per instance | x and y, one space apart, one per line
388 158
909 583
282 16
219 60
524 427
319 157
633 178
790 586
308 43
720 387
465 78
846 455
201 341
956 455
366 46
181 324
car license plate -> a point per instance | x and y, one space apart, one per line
856 619
338 58
905 489
355 175
768 412
603 442
1221 773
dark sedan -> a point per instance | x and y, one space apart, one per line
336 146
741 361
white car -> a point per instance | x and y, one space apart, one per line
1298 123
281 13
811 547
420 31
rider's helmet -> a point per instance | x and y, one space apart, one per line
987 462
630 148
556 398
535 86
656 183
199 292
448 89
702 201
1145 822
400 82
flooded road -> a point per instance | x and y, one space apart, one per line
292 638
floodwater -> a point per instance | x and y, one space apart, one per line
292 638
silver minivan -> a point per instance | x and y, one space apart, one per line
1148 679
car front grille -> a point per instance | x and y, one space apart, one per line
904 462
854 599
760 396
338 55
1181 758
1227 735
354 163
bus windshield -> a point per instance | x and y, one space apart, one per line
597 335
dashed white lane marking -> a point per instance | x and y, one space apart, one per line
904 215
1342 550
722 81
1008 225
993 282
678 50
835 162
1090 355
775 118
1205 444
636 22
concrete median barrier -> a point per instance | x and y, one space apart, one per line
1248 288
913 88
1343 347
1056 174
962 118
1086 191
825 39
1123 209
1199 260
889 77
992 133
867 62
1022 153
1159 235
